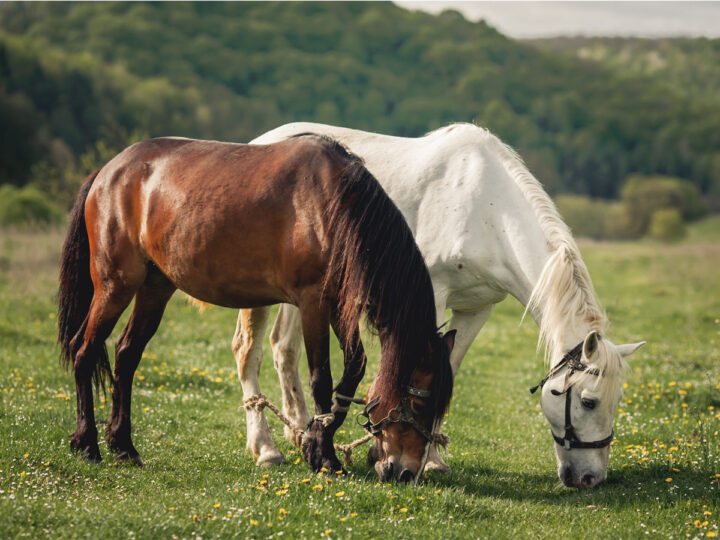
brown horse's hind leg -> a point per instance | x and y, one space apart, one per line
105 309
150 303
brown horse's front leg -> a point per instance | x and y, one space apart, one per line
354 370
317 447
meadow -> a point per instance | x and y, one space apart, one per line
200 481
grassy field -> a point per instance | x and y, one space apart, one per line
199 481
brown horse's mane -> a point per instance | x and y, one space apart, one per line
376 268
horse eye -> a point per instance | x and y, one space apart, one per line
588 403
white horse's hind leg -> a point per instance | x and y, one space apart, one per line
286 339
467 324
247 348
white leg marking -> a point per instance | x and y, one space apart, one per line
247 347
286 339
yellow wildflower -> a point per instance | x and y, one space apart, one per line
340 494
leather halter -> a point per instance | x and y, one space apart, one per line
571 361
400 414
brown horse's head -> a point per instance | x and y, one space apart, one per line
403 419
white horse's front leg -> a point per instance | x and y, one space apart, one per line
247 347
467 324
286 339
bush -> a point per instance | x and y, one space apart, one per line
585 216
593 218
644 195
667 225
27 206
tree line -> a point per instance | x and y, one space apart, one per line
79 81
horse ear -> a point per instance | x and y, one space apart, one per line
590 345
628 348
449 339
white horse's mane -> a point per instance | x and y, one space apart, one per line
564 294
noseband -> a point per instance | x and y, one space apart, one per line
400 414
572 360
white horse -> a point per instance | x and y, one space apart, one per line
486 228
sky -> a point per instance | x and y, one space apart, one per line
520 19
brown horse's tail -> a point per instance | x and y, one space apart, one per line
76 289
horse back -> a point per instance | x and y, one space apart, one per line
230 224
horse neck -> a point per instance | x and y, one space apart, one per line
543 269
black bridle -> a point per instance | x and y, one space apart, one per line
572 361
402 413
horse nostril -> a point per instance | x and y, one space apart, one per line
387 472
406 476
588 481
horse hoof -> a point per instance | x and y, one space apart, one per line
126 457
88 451
271 459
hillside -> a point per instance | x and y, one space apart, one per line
691 66
79 80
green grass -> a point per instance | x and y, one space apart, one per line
199 480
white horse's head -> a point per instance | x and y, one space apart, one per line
579 399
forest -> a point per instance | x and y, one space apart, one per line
79 81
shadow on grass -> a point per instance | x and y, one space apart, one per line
629 488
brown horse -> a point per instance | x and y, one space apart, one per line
301 222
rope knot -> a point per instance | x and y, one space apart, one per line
257 402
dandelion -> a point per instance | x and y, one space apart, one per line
253 522
354 515
328 531
281 492
216 505
317 487
282 511
711 534
305 481
403 510
438 491
323 469
340 494
668 479
297 460
240 435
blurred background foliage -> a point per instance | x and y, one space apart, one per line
627 127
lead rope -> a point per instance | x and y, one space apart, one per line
259 402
